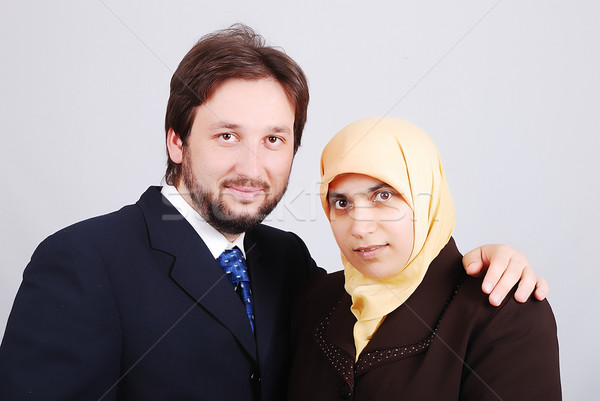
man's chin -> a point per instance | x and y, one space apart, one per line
231 216
244 208
234 223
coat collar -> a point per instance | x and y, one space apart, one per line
415 319
194 269
406 331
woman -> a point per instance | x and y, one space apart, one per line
403 321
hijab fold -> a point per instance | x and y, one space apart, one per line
403 156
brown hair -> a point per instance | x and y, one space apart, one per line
235 52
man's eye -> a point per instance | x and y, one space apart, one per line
383 196
226 137
273 139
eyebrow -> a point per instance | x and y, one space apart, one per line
378 187
232 126
223 124
281 129
335 195
375 188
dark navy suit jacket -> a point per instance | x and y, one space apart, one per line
133 306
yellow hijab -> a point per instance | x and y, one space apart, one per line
401 155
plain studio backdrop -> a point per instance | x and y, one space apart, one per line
508 90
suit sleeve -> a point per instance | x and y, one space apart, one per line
62 338
514 355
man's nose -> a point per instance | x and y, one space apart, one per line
249 161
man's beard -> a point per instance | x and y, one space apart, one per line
213 208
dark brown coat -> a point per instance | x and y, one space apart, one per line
446 342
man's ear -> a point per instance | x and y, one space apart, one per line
174 146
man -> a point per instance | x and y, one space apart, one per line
148 303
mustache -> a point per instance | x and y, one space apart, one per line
245 182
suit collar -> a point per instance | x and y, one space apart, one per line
194 269
214 240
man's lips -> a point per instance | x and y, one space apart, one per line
244 192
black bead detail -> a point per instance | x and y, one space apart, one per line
372 359
338 358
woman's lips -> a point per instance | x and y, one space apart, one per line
369 251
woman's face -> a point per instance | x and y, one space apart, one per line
371 223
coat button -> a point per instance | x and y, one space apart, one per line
254 378
345 391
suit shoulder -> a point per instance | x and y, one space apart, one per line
284 240
328 281
284 249
117 221
110 231
118 217
531 313
265 231
512 347
120 221
324 289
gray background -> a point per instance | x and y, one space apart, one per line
509 91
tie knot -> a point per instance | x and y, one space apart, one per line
233 264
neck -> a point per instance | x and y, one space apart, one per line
185 194
230 237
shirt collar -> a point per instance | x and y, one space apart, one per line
214 240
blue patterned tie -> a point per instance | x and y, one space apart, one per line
234 266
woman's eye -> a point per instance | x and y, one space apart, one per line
226 137
340 204
383 196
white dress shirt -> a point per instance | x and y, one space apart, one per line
214 240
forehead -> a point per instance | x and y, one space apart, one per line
240 103
230 90
353 184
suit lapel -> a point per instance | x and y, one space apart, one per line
341 327
266 293
333 336
199 275
194 269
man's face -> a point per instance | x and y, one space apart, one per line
236 164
